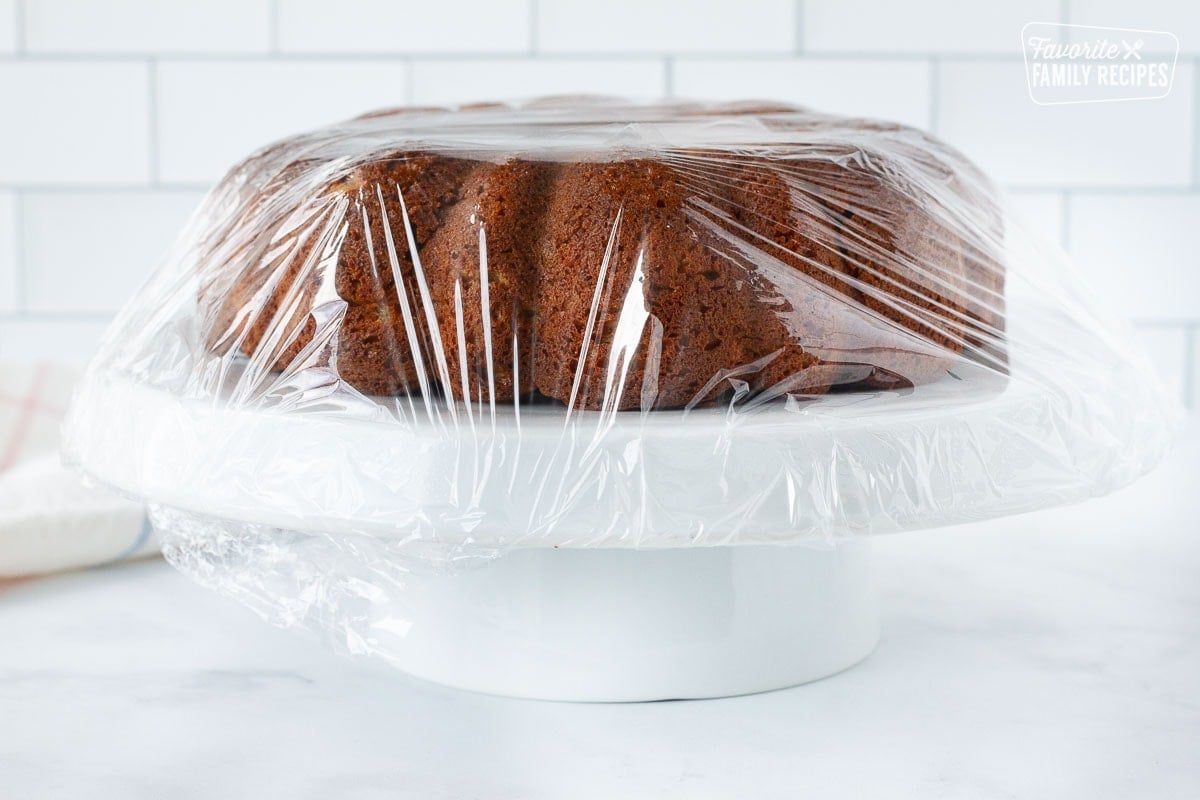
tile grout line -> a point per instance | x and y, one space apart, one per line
1064 12
1195 122
1164 322
105 188
533 27
1140 190
272 27
798 31
935 89
668 77
1064 222
57 316
19 22
152 148
1189 366
19 265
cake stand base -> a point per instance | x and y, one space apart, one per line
630 625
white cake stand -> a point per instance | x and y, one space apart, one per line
621 625
662 593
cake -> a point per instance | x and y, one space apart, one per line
605 256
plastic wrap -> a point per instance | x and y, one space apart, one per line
424 336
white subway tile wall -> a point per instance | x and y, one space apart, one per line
66 338
1167 348
1142 251
146 26
8 253
1042 212
1180 17
210 114
112 240
920 27
873 88
666 26
8 26
72 122
117 116
487 79
387 26
984 108
1191 366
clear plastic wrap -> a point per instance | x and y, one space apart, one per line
425 336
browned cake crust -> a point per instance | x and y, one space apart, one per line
636 283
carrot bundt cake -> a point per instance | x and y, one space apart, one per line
606 256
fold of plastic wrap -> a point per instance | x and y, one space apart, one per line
425 336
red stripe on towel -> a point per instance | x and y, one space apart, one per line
28 408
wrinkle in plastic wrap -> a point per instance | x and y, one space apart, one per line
421 338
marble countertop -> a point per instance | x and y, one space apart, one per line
1053 655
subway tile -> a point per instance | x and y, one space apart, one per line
70 340
74 122
115 241
896 90
383 26
1180 17
212 114
920 26
1165 347
465 81
1192 391
1040 212
147 26
8 26
8 252
984 108
1141 252
666 26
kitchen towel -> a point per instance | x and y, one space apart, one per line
50 520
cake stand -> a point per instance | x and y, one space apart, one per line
660 582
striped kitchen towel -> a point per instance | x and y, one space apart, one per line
49 519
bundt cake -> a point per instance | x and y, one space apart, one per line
606 256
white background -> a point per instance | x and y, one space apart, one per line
116 116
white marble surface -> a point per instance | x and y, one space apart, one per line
1055 655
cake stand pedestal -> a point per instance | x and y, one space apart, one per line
623 625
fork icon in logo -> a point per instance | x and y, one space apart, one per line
1132 49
